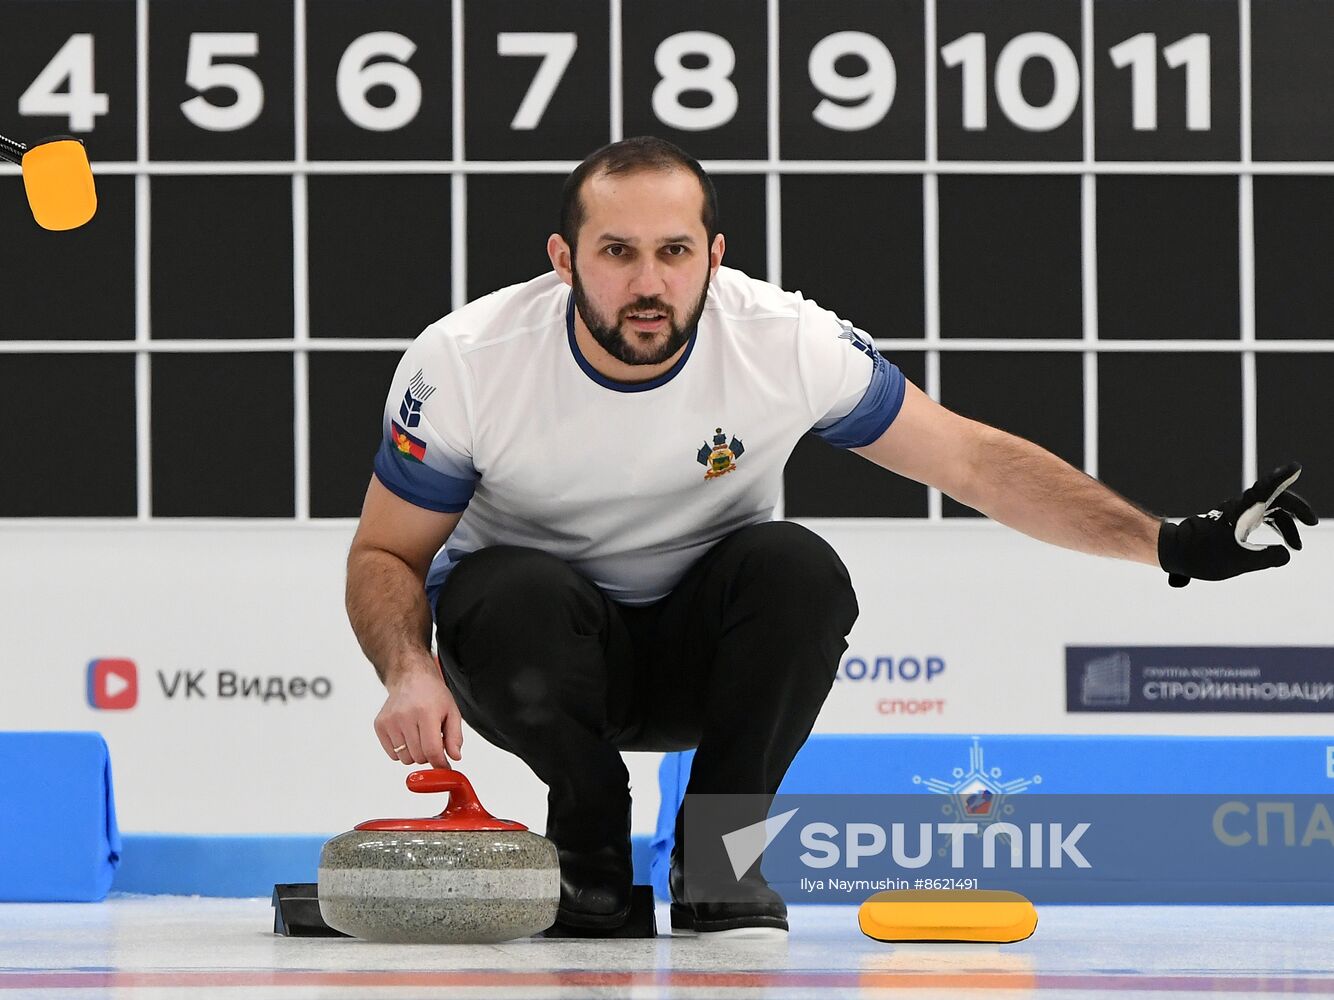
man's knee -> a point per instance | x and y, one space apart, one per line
796 571
510 624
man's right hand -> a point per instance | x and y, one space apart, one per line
419 722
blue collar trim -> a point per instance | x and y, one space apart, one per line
607 383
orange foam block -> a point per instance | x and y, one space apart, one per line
948 915
59 183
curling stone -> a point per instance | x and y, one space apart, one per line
462 876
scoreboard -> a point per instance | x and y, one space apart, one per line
1105 225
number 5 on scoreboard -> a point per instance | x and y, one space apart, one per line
556 50
203 72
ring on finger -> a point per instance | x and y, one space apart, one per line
400 749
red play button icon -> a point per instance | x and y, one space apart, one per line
113 684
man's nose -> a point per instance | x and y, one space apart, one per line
648 279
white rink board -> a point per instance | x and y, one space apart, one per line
995 607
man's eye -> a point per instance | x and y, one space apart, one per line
615 250
674 250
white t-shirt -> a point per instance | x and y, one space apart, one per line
495 412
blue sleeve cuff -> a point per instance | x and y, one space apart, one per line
419 484
879 405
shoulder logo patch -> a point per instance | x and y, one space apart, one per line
720 457
859 339
409 411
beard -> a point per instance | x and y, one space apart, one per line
629 347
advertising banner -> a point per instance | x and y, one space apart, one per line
218 663
1199 679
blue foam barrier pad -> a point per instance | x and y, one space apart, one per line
58 836
839 764
243 865
239 865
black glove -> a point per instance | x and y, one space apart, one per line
1213 546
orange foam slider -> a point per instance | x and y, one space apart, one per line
948 915
59 183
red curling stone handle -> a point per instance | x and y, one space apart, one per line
464 812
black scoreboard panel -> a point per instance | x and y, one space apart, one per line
313 178
69 429
852 82
1009 86
1151 101
379 83
221 257
1290 45
546 69
1168 258
1294 245
1001 389
220 80
356 223
854 242
1295 405
70 69
77 285
694 72
1010 256
222 435
346 392
510 217
1169 429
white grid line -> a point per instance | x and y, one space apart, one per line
1246 244
300 358
457 149
1089 253
931 242
300 280
773 191
616 99
299 81
945 345
757 166
143 376
140 82
458 188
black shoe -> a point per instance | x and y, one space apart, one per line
594 887
748 908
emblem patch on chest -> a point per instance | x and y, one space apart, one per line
720 457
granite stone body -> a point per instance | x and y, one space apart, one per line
439 886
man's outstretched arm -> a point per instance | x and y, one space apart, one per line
1022 485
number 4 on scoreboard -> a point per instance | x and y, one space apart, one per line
80 101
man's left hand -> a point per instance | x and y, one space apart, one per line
1214 546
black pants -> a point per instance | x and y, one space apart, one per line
736 661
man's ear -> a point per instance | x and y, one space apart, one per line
562 257
716 253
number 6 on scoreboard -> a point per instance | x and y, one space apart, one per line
556 50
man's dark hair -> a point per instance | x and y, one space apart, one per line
643 152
